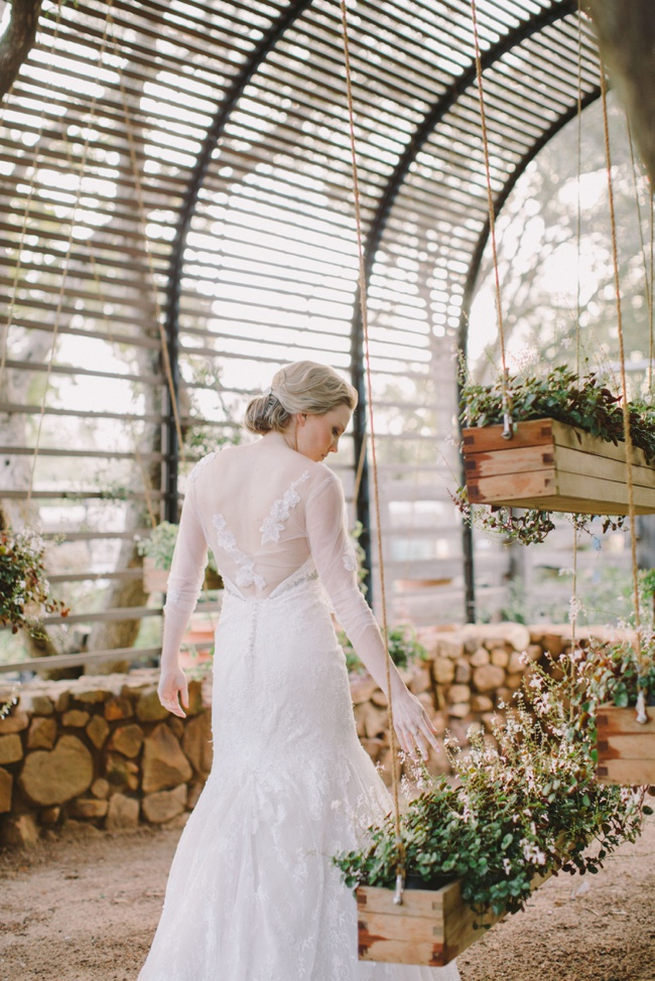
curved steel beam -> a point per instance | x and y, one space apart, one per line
430 121
469 287
187 210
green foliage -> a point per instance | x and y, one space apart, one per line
616 672
583 402
404 648
160 544
24 588
525 806
360 555
529 526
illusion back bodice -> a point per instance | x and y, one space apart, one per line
267 512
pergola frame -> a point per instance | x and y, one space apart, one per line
257 113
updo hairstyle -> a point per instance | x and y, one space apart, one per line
300 387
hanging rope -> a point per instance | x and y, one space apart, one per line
573 610
400 851
641 712
508 427
648 286
359 473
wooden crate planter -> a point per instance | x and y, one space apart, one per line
154 580
430 927
555 467
626 748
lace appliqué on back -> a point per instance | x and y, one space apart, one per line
246 575
349 557
273 524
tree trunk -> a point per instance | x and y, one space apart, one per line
626 35
17 40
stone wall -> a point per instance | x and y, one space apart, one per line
103 750
99 750
470 673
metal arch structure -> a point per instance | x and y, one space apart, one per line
244 237
214 132
423 130
376 231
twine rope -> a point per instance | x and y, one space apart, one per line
641 715
507 408
400 850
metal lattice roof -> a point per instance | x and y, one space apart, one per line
182 170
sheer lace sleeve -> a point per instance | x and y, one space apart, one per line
187 571
333 553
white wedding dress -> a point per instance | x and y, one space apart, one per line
252 893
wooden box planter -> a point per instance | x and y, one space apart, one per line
430 927
626 748
154 580
554 467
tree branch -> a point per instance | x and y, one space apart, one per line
17 40
626 35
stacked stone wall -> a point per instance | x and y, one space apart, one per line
470 674
103 750
100 750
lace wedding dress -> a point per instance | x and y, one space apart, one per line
252 893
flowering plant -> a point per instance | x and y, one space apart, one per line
404 647
24 588
616 672
525 805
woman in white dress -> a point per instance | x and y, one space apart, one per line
252 893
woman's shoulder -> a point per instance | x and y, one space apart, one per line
323 479
207 462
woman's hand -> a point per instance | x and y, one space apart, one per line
412 724
173 689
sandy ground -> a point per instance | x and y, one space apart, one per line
84 907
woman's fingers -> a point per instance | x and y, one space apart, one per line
184 693
173 690
417 734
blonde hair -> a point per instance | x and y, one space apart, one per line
304 386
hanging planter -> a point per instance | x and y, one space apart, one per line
157 551
624 719
566 451
554 467
431 927
24 588
626 747
524 807
155 580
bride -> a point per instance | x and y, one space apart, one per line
252 894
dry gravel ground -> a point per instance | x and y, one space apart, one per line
84 907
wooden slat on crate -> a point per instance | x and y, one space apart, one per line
430 927
555 467
626 748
